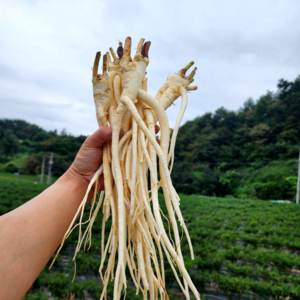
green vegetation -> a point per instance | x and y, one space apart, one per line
251 153
242 247
23 146
245 246
14 192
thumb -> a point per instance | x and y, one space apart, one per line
99 137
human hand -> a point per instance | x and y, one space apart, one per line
89 157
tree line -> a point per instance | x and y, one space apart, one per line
246 153
23 145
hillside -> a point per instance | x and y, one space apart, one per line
248 153
23 146
251 153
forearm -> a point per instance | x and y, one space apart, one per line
30 234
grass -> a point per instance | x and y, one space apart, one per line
242 247
24 178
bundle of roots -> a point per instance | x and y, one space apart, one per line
133 176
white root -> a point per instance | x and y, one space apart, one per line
134 162
121 207
184 103
137 234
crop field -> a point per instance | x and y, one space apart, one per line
244 249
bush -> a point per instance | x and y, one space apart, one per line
11 168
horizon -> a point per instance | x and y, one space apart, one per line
65 130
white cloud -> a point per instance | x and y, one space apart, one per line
241 49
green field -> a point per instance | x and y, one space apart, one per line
242 247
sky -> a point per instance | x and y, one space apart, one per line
47 48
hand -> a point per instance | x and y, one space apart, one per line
89 157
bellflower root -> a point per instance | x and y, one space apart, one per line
137 237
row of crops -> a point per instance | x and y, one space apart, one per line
244 249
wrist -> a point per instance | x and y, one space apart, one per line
71 176
79 182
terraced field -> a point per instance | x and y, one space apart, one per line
244 249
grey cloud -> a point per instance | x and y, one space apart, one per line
8 73
30 102
50 118
241 49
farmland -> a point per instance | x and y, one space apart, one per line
242 247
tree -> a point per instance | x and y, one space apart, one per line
9 143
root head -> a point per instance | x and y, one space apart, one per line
183 71
191 76
145 49
104 68
96 64
127 48
120 50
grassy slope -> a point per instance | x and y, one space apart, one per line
241 247
276 180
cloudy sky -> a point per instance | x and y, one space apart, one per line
241 48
